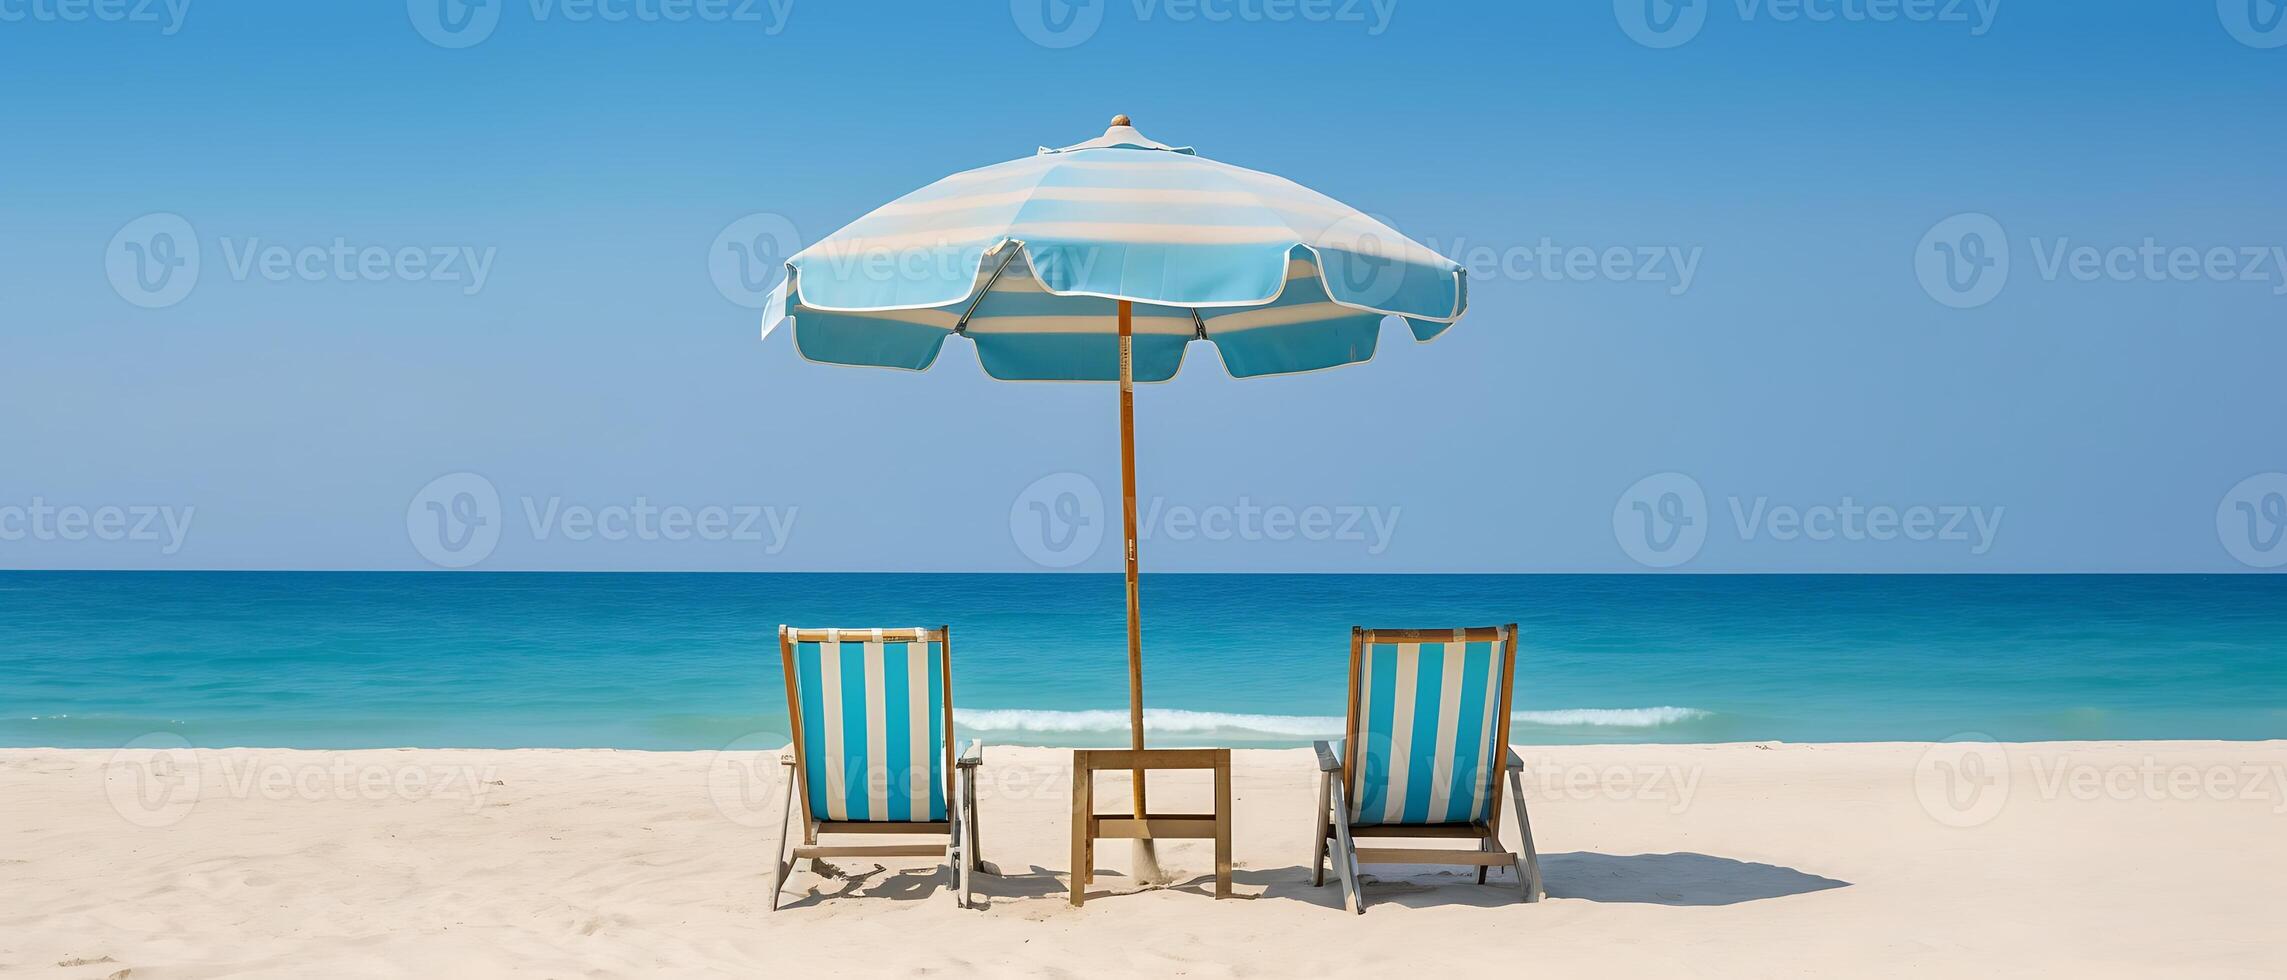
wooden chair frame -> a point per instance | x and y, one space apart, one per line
1088 826
958 834
1339 773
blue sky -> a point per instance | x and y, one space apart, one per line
2110 405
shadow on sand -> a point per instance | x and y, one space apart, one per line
1674 879
1680 879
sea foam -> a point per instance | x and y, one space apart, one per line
1178 721
1170 720
1610 717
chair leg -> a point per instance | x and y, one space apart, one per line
969 846
1318 831
1490 843
1346 863
969 792
785 863
1083 806
1531 872
956 852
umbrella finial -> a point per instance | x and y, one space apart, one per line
1121 120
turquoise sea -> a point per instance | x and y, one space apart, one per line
667 661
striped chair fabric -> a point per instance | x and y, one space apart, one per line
873 726
1425 732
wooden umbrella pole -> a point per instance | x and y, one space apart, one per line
1128 514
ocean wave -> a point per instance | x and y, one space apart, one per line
1609 717
1177 721
1170 720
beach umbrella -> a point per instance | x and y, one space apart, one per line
1105 261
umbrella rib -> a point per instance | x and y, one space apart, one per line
1198 326
961 326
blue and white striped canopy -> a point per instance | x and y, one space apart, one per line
1028 258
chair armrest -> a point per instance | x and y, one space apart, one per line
1328 759
972 756
1516 761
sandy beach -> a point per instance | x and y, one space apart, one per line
1736 860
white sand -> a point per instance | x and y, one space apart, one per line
2101 858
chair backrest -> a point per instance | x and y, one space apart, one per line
872 712
1429 724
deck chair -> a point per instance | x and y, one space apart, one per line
872 713
1422 755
